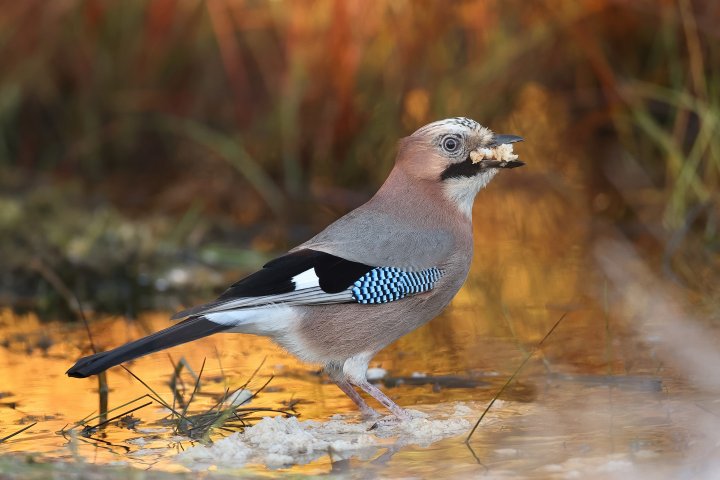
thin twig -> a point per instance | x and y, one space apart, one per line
177 368
222 371
104 442
250 378
157 397
261 388
512 377
195 389
101 424
18 432
89 418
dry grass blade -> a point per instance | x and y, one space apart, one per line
512 377
227 417
83 421
155 396
176 382
262 388
250 378
18 432
88 430
177 385
195 388
104 444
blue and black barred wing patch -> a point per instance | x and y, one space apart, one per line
387 284
309 277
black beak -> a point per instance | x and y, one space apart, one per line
510 164
503 140
498 164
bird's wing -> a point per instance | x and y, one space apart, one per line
310 277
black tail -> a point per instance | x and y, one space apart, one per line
185 331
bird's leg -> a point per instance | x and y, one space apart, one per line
338 376
365 409
378 395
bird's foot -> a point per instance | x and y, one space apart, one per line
391 420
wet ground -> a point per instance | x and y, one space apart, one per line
625 386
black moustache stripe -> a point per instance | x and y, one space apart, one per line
460 170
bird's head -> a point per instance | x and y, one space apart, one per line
460 155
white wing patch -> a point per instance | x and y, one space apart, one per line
306 279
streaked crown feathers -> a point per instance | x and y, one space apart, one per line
462 125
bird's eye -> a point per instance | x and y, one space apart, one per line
450 144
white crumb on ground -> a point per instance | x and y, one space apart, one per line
375 373
279 441
418 374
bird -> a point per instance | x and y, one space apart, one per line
374 275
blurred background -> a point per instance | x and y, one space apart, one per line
146 147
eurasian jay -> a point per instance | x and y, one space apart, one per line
379 272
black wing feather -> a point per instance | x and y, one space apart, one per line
334 273
275 277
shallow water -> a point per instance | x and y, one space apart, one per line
560 417
622 387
